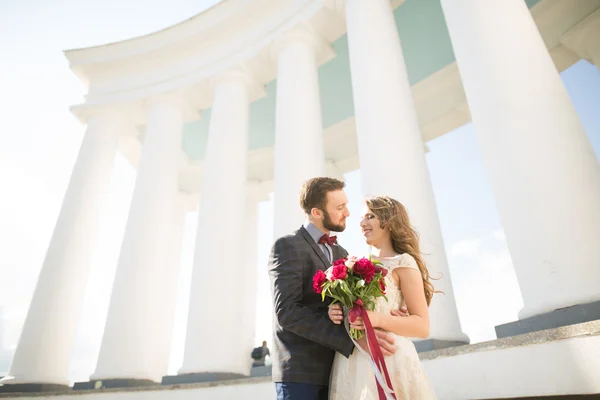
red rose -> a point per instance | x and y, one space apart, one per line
318 281
382 285
365 268
339 272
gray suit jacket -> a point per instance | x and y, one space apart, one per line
305 340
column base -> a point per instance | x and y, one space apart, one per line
555 319
113 384
196 377
33 388
436 344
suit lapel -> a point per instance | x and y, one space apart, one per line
314 246
338 252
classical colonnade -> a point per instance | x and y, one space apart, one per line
544 176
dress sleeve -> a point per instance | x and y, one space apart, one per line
406 261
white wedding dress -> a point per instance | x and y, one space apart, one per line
353 379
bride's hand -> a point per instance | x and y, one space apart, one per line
359 323
335 313
402 312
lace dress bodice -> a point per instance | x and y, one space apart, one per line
395 300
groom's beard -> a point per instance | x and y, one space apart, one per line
330 225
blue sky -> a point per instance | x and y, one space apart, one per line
39 140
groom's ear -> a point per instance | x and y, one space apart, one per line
316 213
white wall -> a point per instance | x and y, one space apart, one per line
255 391
569 366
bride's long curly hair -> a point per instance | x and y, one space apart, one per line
405 239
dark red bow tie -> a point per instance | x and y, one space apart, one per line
330 240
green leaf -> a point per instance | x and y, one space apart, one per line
346 289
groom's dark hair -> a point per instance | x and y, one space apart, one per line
314 192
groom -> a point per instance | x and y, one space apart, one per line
305 339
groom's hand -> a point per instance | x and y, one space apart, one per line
402 312
385 340
335 313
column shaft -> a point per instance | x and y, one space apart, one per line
249 277
166 284
298 131
391 151
544 174
212 341
47 339
126 350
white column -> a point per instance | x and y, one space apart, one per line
212 340
47 339
166 284
545 177
126 350
298 131
247 309
2 348
390 147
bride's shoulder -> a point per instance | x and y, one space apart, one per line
405 260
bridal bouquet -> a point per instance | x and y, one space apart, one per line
353 282
356 283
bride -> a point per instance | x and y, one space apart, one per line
386 227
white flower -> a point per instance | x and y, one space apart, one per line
351 261
360 283
329 273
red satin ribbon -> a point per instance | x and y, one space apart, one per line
376 355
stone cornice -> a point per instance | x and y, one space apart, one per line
87 61
584 38
233 34
439 99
